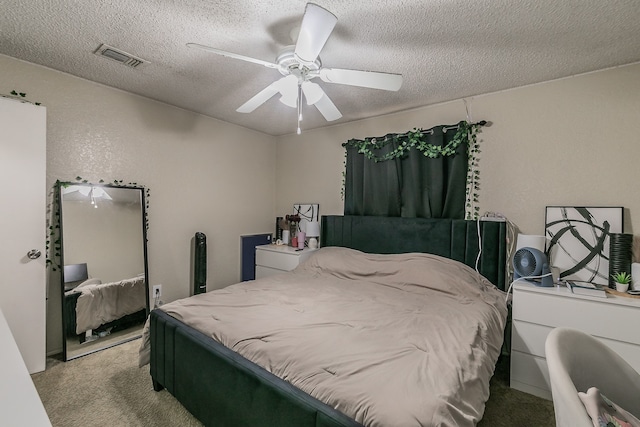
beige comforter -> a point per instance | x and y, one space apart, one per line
99 304
389 340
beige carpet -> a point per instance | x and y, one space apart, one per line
108 389
507 407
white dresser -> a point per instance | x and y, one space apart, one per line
276 259
536 311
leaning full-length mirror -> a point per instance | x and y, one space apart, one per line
104 276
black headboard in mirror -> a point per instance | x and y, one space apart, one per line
105 297
75 273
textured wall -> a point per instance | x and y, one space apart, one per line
572 141
204 175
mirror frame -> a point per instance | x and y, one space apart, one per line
60 185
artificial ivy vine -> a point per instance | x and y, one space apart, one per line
415 139
20 96
472 210
53 245
53 242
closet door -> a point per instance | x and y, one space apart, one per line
23 197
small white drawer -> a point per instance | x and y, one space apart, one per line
529 337
278 260
283 258
596 317
530 374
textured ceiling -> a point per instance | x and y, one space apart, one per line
445 49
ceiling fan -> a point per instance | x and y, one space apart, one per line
300 63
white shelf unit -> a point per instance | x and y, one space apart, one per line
276 259
536 311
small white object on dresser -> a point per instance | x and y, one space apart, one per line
276 259
536 311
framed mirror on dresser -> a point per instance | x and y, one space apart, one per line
103 255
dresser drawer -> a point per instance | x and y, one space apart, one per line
529 337
629 352
530 374
599 318
537 311
277 260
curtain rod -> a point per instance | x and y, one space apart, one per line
428 131
446 128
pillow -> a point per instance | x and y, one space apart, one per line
89 282
605 413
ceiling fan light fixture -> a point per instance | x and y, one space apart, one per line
290 100
312 92
288 87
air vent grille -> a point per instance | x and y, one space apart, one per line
120 56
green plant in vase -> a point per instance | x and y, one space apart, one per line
622 279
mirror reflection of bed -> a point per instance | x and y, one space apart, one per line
105 297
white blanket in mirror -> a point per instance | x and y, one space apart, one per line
102 303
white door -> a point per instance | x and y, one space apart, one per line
23 197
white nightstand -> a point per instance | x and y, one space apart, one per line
276 259
536 311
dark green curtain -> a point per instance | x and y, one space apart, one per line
368 180
382 179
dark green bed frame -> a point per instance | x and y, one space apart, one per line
221 388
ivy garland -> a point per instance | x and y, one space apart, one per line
53 244
415 139
472 210
20 96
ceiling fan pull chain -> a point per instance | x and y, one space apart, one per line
299 100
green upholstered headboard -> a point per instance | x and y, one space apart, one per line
451 238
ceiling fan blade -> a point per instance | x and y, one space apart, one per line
371 79
317 25
328 109
233 55
100 193
260 98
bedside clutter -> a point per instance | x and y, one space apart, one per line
537 310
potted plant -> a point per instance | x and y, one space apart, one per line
622 281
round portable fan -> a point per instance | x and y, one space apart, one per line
532 264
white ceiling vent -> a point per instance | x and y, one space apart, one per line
120 56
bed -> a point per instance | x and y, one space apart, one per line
96 306
369 367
